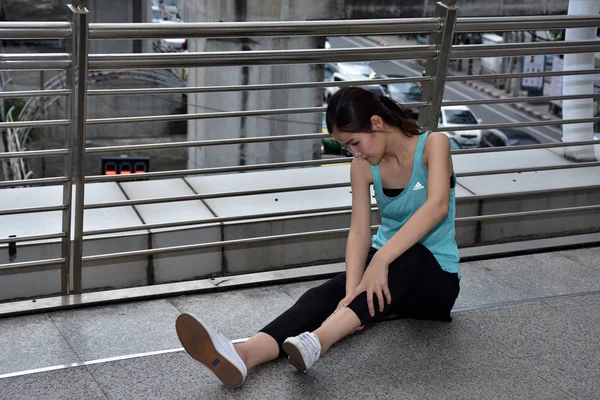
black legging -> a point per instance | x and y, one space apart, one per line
419 287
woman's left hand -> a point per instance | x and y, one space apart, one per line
375 282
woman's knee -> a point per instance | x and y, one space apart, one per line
360 306
331 291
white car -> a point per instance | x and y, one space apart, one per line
172 44
156 15
356 68
338 77
451 116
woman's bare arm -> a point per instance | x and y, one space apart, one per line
359 238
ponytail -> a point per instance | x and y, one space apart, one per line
401 117
350 110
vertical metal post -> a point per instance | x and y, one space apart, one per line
79 73
69 159
437 68
579 84
65 280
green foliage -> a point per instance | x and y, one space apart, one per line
8 104
33 134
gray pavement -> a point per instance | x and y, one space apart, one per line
525 327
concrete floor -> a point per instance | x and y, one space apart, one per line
525 327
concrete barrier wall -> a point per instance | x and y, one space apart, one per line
571 188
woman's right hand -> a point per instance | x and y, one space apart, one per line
344 303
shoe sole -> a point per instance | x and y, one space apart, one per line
294 356
197 343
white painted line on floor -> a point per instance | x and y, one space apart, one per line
99 361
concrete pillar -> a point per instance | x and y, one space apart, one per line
579 84
119 11
252 10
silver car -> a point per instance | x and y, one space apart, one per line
454 116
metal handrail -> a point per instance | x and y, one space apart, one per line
34 93
239 193
302 85
35 30
335 28
181 117
524 49
256 57
41 61
305 110
484 77
30 264
234 242
525 147
203 143
522 124
261 29
505 100
29 210
288 164
35 181
329 232
525 23
269 57
237 88
311 136
476 197
35 124
529 169
32 238
34 153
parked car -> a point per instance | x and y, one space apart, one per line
169 10
172 44
452 116
354 68
156 15
507 137
340 77
454 144
405 92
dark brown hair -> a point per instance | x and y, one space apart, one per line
351 108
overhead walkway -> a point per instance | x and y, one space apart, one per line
94 269
525 327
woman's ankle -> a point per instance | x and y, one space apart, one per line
243 354
257 350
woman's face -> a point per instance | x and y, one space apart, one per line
363 145
368 146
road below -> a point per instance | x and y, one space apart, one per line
455 91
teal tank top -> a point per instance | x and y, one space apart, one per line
395 211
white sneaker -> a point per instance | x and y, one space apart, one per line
212 349
303 350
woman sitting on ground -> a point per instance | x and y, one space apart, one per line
409 267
